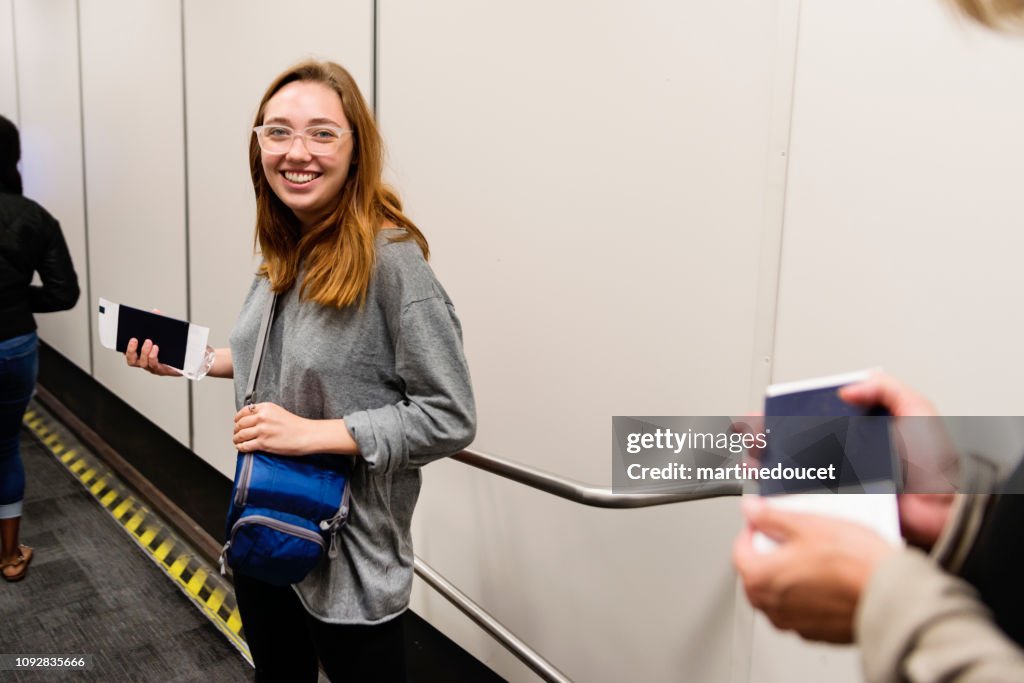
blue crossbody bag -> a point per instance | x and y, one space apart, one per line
286 511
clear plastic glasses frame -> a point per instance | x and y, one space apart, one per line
278 139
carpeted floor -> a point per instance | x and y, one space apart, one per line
91 591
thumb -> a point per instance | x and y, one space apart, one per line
777 525
863 393
893 395
877 389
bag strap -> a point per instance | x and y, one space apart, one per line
261 345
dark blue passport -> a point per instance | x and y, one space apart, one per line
808 425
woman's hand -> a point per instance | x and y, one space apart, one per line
269 427
147 358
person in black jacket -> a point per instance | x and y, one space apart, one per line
30 242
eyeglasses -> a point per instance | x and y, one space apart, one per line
319 140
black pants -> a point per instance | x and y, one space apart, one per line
285 641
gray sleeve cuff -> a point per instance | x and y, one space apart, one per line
380 437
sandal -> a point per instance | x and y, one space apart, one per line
22 561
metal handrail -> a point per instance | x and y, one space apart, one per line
509 640
569 489
596 496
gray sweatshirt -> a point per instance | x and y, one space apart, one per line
395 371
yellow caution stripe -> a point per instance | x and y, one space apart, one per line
203 585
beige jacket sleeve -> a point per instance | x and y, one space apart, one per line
917 623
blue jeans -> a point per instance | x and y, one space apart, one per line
19 364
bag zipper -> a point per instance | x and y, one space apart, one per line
277 525
334 524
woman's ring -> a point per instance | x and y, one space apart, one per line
252 408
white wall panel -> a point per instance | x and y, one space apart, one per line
135 168
903 227
233 49
592 178
8 77
51 148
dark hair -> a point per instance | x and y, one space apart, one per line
10 154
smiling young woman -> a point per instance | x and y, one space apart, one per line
364 358
331 226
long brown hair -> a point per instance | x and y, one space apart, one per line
337 254
994 13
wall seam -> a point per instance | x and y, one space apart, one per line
785 187
188 241
770 270
85 194
776 180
